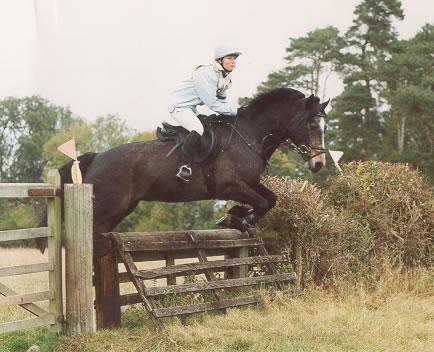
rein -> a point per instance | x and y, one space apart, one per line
303 150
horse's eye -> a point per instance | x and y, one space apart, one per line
313 126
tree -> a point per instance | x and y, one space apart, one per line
110 131
106 132
310 62
25 125
356 112
408 90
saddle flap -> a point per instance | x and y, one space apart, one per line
178 134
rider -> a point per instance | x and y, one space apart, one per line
207 86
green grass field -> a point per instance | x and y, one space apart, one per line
397 316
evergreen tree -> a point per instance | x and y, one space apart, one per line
356 113
409 78
310 61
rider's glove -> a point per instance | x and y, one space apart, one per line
241 110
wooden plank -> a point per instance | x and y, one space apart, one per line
131 298
203 307
209 274
142 290
20 190
25 269
26 324
23 234
143 245
201 266
174 236
54 221
204 286
30 307
78 262
27 298
45 192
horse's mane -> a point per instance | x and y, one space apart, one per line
274 96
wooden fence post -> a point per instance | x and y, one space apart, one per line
170 260
80 316
242 270
54 209
107 290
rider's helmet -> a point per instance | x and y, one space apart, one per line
225 50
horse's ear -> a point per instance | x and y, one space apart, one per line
311 101
324 105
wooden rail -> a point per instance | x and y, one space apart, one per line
8 297
170 245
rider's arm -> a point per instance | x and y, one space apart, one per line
205 82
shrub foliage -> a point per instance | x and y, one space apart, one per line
373 215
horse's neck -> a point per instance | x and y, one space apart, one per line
260 127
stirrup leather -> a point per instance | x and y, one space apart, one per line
184 173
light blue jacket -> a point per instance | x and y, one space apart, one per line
200 89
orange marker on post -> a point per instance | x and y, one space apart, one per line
68 149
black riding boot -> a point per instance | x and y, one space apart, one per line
191 143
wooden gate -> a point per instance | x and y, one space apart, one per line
8 297
172 243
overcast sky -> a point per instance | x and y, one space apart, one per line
125 56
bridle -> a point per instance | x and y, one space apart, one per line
303 150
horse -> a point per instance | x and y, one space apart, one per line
140 171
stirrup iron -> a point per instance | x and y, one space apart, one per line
184 173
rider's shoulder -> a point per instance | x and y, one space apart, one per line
206 71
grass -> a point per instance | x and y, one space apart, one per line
397 316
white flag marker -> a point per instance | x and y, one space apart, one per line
336 155
68 148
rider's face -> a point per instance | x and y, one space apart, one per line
229 63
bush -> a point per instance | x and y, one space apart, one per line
393 205
374 215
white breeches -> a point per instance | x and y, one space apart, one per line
188 119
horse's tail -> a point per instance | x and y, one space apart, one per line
65 177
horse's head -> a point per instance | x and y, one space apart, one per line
286 113
308 132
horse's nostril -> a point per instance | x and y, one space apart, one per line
318 166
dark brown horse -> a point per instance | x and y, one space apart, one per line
132 172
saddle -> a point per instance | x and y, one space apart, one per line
208 140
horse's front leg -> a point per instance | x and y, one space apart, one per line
259 197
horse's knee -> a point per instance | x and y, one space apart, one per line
272 200
262 207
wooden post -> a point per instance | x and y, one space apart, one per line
299 261
242 270
107 291
54 209
79 252
170 260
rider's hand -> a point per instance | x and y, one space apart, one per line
241 110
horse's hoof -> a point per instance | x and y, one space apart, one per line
239 211
224 221
233 222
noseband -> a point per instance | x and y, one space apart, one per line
304 150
